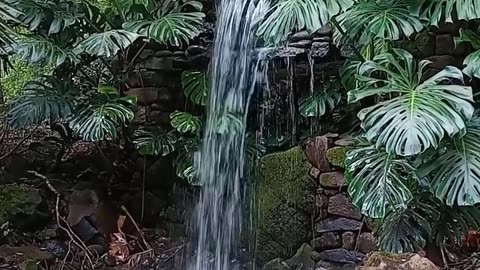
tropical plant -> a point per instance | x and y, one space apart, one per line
154 142
320 102
287 16
472 61
195 85
436 11
418 113
38 50
107 43
184 122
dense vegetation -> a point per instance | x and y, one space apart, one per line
416 170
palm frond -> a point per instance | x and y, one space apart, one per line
384 20
419 114
38 50
47 98
287 16
107 43
154 142
195 86
472 61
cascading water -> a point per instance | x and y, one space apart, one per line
221 161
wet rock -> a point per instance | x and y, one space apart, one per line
326 241
163 53
285 204
321 201
302 260
341 256
322 39
178 53
82 203
367 243
301 44
197 62
320 49
149 95
302 35
146 53
341 205
337 155
159 117
154 79
157 63
439 62
314 172
196 49
276 264
348 240
332 180
55 247
325 30
338 224
388 261
445 44
315 150
270 53
425 43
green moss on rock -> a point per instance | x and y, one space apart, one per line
337 155
15 200
285 204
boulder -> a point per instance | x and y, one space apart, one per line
337 155
276 264
302 35
439 62
341 205
367 243
285 204
389 261
337 224
320 49
149 95
342 256
157 63
315 150
445 44
167 79
326 241
301 44
326 30
302 260
332 180
348 241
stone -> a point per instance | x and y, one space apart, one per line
326 30
345 141
337 224
389 261
163 53
178 53
285 204
301 44
302 35
151 78
341 205
270 53
337 155
332 180
348 241
315 151
24 253
341 255
196 62
320 49
82 203
441 61
445 44
140 115
157 63
159 117
322 39
196 49
366 243
326 241
276 264
149 95
314 172
302 260
146 53
321 201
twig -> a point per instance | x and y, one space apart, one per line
136 227
20 143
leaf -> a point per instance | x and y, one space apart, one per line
287 16
472 61
456 170
195 85
229 123
107 43
185 122
375 181
174 28
384 20
319 103
418 114
184 160
38 50
108 90
436 11
100 120
454 223
47 98
154 142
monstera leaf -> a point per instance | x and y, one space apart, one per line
287 16
436 11
154 142
456 170
184 161
185 122
45 99
418 114
229 123
319 103
195 86
107 43
44 52
384 20
101 119
8 13
375 181
472 61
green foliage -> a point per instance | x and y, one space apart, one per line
418 114
195 85
99 120
472 61
154 142
287 16
185 122
372 20
107 43
436 11
47 98
14 200
337 156
320 102
38 50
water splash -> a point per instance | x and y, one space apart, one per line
221 168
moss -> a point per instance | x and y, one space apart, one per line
16 200
284 201
390 258
337 155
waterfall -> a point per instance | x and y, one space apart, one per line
217 221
